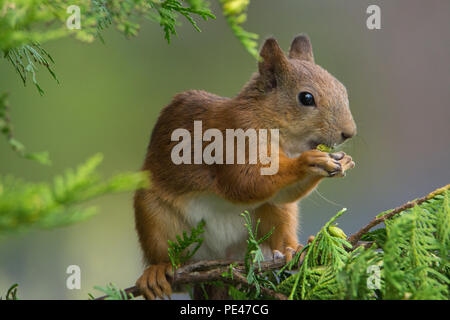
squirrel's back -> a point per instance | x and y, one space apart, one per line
185 108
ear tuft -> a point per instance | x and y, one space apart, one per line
274 63
301 49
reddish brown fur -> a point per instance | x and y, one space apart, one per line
269 100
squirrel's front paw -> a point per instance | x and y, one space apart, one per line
325 164
154 283
345 160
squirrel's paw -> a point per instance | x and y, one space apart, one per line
154 283
346 162
277 255
326 164
287 253
320 163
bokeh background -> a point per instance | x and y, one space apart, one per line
110 96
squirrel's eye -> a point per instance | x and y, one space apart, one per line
306 99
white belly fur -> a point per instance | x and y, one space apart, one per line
225 233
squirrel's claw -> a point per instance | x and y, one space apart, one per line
287 253
277 255
347 163
153 283
299 248
310 239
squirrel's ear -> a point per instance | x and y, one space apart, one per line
301 49
274 63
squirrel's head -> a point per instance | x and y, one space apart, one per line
306 103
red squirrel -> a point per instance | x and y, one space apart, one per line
291 93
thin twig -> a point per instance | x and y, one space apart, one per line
354 238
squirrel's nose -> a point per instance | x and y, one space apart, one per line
348 130
347 134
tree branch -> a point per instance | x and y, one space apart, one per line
213 270
354 238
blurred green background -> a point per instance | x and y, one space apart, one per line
110 96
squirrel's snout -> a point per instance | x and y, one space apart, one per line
348 132
347 135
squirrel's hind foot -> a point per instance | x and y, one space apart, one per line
154 281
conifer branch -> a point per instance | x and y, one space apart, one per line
356 237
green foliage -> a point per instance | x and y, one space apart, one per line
30 21
113 293
325 254
167 18
416 252
26 24
378 235
253 258
353 277
25 205
411 254
25 59
235 14
409 259
179 251
11 294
